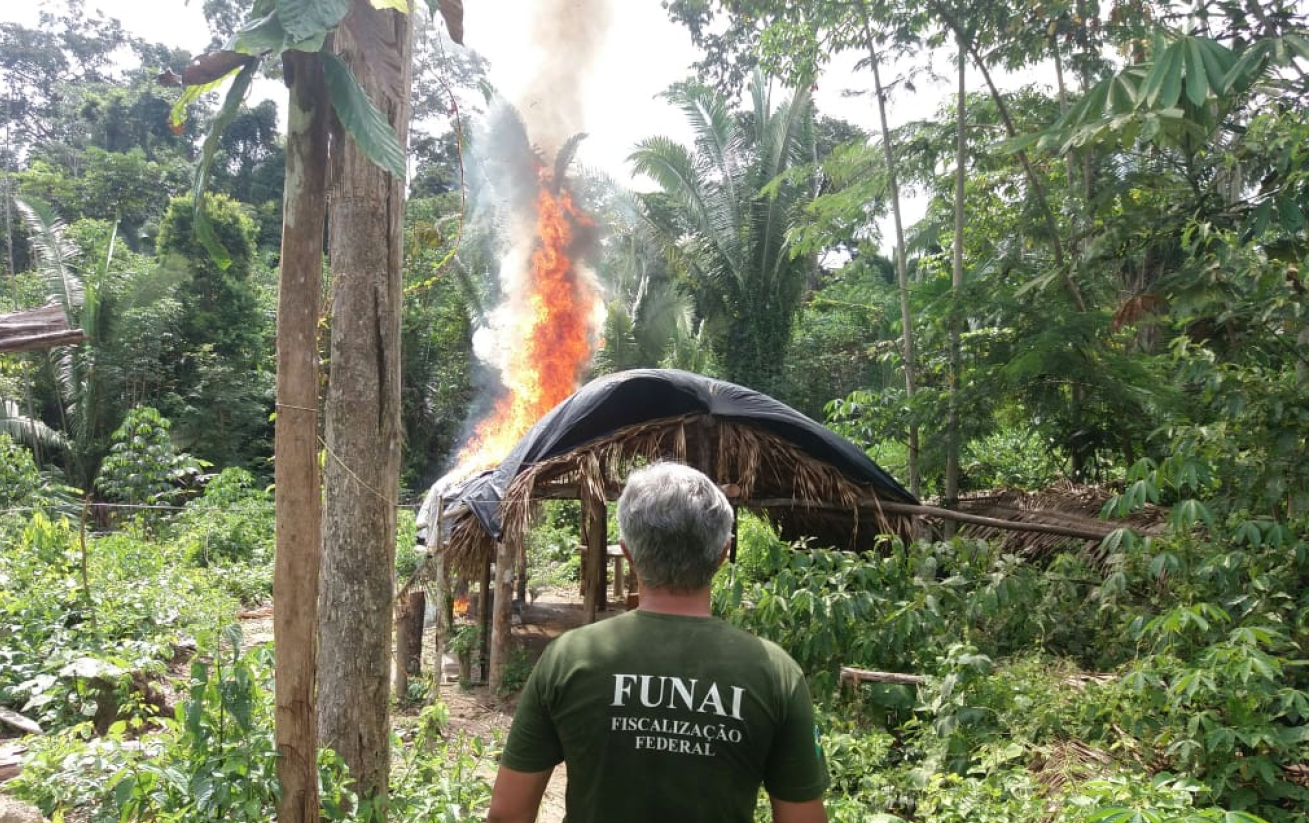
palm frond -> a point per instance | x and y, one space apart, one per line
24 429
54 255
565 156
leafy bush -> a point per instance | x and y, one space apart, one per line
553 561
142 467
407 556
215 760
439 777
23 485
123 602
233 521
1012 458
1200 640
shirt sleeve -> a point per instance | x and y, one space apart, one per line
796 770
533 744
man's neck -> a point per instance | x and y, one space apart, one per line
685 604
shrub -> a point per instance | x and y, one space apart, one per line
233 521
214 760
122 601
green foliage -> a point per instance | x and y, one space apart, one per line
439 777
77 623
230 530
1012 459
407 555
515 673
553 561
215 760
219 382
361 118
232 521
721 213
1200 641
436 341
23 486
142 467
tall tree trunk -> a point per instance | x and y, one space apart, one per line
968 44
952 435
299 494
361 473
901 265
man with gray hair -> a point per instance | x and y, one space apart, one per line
665 713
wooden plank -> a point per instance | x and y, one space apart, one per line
42 341
40 328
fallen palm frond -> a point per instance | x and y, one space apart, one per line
1073 507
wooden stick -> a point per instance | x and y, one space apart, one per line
893 507
852 676
16 720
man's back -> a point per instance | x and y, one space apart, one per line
667 717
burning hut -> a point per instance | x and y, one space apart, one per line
768 457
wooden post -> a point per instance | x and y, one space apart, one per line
503 614
412 651
618 579
440 597
298 499
409 611
522 573
484 619
400 672
595 557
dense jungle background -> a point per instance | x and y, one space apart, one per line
1104 292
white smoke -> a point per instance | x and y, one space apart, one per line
566 37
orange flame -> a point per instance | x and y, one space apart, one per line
551 337
460 606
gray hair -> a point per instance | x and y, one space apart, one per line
675 523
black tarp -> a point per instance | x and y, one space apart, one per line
629 398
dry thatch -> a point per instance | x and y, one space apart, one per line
761 471
1063 504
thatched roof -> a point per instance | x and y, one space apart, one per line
769 458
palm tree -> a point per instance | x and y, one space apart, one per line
84 414
646 312
722 213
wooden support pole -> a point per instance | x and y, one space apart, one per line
409 612
505 557
484 620
299 495
594 559
440 597
521 589
412 649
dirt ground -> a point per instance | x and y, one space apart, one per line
474 709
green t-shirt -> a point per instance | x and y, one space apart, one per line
667 718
